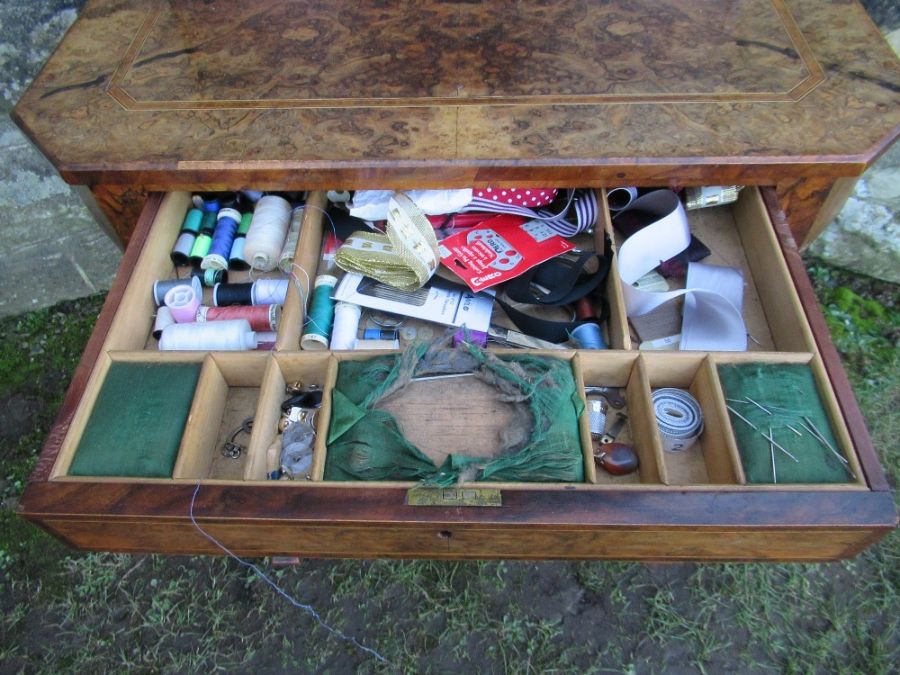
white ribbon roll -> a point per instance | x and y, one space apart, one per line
712 319
679 418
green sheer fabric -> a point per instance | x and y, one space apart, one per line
366 443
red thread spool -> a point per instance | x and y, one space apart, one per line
584 309
260 317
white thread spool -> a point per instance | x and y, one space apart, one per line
366 345
678 417
184 303
268 229
163 318
269 292
213 336
161 287
346 324
286 259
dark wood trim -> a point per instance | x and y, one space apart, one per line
853 416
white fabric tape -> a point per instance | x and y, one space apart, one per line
679 418
712 318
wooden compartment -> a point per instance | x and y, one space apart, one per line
712 460
226 397
855 478
437 426
624 371
739 235
312 369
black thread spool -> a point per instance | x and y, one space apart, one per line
236 259
227 295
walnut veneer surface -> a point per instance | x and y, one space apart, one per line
161 93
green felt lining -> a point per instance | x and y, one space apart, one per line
789 392
137 421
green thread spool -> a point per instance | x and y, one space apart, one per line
208 221
244 225
200 247
321 315
192 221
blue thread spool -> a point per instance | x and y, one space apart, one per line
379 334
588 336
321 315
236 260
211 204
222 240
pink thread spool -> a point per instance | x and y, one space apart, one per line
183 302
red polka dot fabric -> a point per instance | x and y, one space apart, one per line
529 197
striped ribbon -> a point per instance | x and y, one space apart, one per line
582 202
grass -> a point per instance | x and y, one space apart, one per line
66 611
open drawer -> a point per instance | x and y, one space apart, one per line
711 502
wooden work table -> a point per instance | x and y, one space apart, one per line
142 96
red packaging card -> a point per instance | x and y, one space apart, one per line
499 249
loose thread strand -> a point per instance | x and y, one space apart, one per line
262 575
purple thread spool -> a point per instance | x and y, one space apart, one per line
222 240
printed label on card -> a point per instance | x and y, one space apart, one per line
499 249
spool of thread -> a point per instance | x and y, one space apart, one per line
589 336
346 324
286 259
618 198
252 195
379 334
200 248
184 303
267 233
210 202
181 252
218 336
192 221
222 240
184 244
265 340
260 317
226 295
269 292
236 257
367 345
163 318
210 278
584 309
236 260
162 286
679 418
321 315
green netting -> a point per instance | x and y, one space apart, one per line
789 393
366 443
